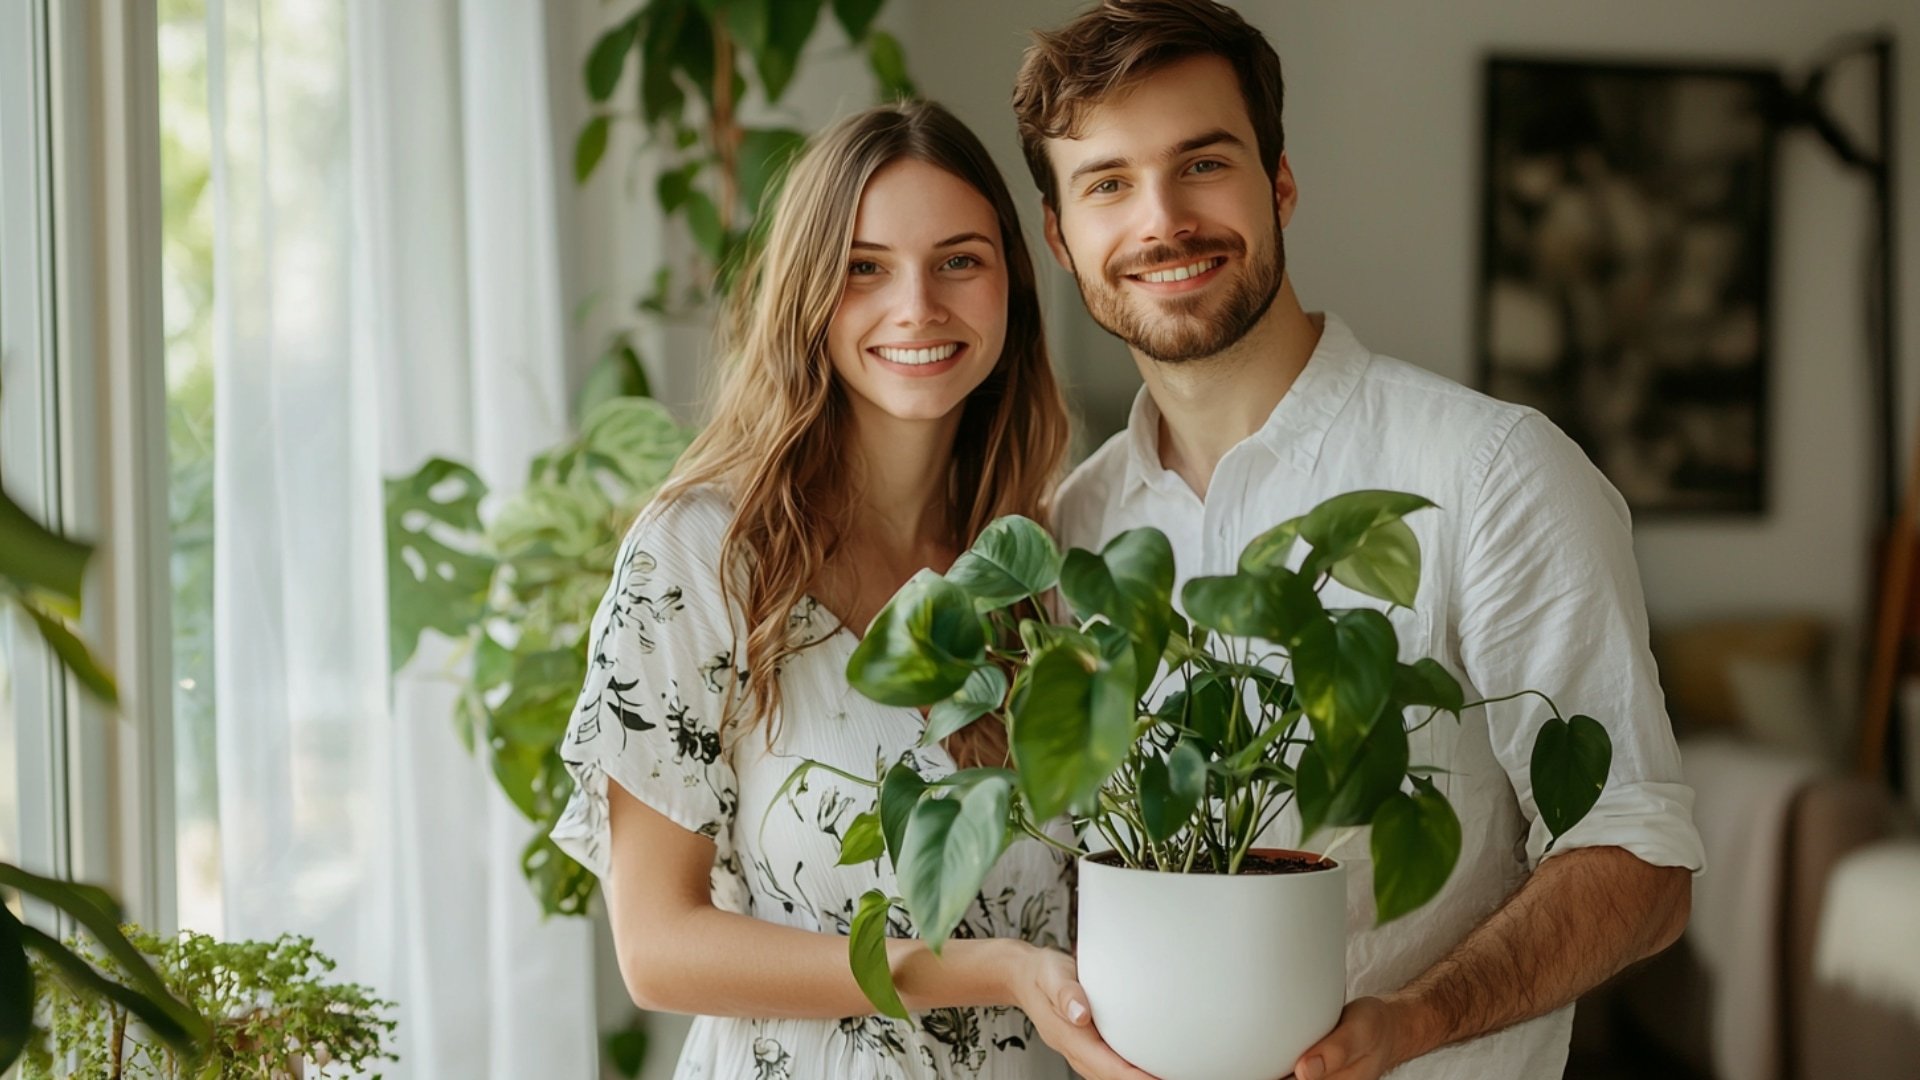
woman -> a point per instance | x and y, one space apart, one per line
888 395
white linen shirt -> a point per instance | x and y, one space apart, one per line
1527 582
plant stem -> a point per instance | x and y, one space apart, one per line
1040 834
726 134
1510 697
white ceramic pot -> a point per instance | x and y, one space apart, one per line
1213 976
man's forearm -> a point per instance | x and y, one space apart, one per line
1580 918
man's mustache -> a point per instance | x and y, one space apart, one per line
1165 255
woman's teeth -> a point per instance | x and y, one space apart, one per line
917 357
1181 273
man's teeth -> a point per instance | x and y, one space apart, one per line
918 356
1180 273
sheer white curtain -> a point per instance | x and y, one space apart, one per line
386 289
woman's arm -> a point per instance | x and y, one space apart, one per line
678 953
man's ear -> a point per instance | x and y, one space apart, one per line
1054 243
1286 194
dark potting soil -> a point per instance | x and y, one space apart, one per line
1256 862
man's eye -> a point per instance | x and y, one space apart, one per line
960 262
1104 187
1206 166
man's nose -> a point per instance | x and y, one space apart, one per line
1167 216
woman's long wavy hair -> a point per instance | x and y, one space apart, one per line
778 442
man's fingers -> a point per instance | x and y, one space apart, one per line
1321 1059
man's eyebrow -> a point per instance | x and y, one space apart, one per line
957 238
1216 137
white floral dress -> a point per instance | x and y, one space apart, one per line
661 663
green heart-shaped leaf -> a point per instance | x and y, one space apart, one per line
1343 677
1269 551
1170 790
1351 795
921 647
1130 583
1274 604
984 692
867 951
863 841
1339 526
1386 565
900 792
1072 728
1425 683
1416 841
1013 558
951 845
1200 710
1571 759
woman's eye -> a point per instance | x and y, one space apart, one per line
960 262
863 267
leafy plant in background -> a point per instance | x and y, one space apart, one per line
274 1015
1187 785
714 172
42 574
518 591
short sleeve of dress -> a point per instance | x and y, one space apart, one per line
660 665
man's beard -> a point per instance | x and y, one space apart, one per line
1178 332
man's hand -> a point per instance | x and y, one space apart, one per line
1047 987
1362 1046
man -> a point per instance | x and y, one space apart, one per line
1153 129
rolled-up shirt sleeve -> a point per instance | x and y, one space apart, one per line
1551 601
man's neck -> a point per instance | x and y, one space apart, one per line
1209 406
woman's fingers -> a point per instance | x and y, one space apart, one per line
1060 984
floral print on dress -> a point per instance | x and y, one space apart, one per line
664 668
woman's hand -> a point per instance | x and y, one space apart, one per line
1046 985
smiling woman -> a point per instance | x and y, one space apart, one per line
889 393
923 317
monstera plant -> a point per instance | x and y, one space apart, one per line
517 592
1272 699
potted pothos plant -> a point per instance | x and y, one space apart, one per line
1272 700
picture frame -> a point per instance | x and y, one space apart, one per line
1626 268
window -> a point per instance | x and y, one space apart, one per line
187 245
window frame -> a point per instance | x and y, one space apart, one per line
92 430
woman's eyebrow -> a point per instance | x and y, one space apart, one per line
957 238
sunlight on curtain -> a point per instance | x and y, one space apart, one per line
385 288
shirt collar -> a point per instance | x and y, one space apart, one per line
1293 433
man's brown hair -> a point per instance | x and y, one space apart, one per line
1108 49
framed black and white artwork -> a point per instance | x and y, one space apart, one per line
1625 265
